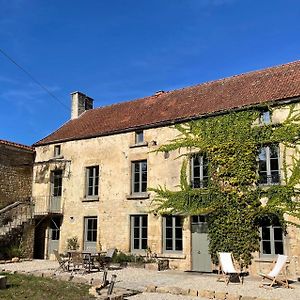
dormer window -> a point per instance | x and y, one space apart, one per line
57 150
265 117
139 137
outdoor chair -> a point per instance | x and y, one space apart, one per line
76 262
105 261
279 267
227 267
63 262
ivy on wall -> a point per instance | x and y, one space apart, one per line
233 197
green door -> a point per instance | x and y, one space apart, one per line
201 261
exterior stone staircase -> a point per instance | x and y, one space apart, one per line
13 217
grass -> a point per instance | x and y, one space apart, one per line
37 288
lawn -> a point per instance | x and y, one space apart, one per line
37 288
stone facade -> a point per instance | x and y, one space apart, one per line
115 203
16 173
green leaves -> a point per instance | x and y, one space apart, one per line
233 196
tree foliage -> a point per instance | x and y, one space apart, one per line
233 197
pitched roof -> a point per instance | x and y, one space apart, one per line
16 145
268 85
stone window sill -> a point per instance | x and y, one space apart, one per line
138 196
145 144
90 199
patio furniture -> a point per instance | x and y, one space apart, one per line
279 267
76 262
105 260
227 267
63 262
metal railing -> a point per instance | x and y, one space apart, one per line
47 205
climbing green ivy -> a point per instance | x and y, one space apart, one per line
233 197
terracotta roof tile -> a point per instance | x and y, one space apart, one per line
16 145
268 85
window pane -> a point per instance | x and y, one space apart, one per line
136 221
196 183
169 245
144 232
136 232
178 221
278 247
144 243
277 233
262 165
275 177
136 188
168 221
273 151
178 245
196 172
263 178
178 233
144 187
144 166
266 233
274 164
136 243
145 221
169 232
266 247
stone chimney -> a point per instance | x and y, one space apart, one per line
80 103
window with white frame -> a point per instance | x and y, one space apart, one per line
139 137
271 239
199 171
172 233
139 232
269 172
139 177
92 181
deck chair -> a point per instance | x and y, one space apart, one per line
279 267
63 262
227 267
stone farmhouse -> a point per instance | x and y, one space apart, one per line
91 176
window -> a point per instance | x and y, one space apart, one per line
57 150
139 232
271 239
139 137
265 117
139 176
92 181
56 183
90 229
199 171
172 229
269 165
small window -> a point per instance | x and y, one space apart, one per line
92 181
172 230
269 172
199 171
57 150
265 117
139 232
139 137
271 239
139 177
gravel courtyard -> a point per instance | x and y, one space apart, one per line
140 279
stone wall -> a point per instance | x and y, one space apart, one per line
16 174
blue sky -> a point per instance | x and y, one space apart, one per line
120 50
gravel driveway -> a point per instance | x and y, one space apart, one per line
139 279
